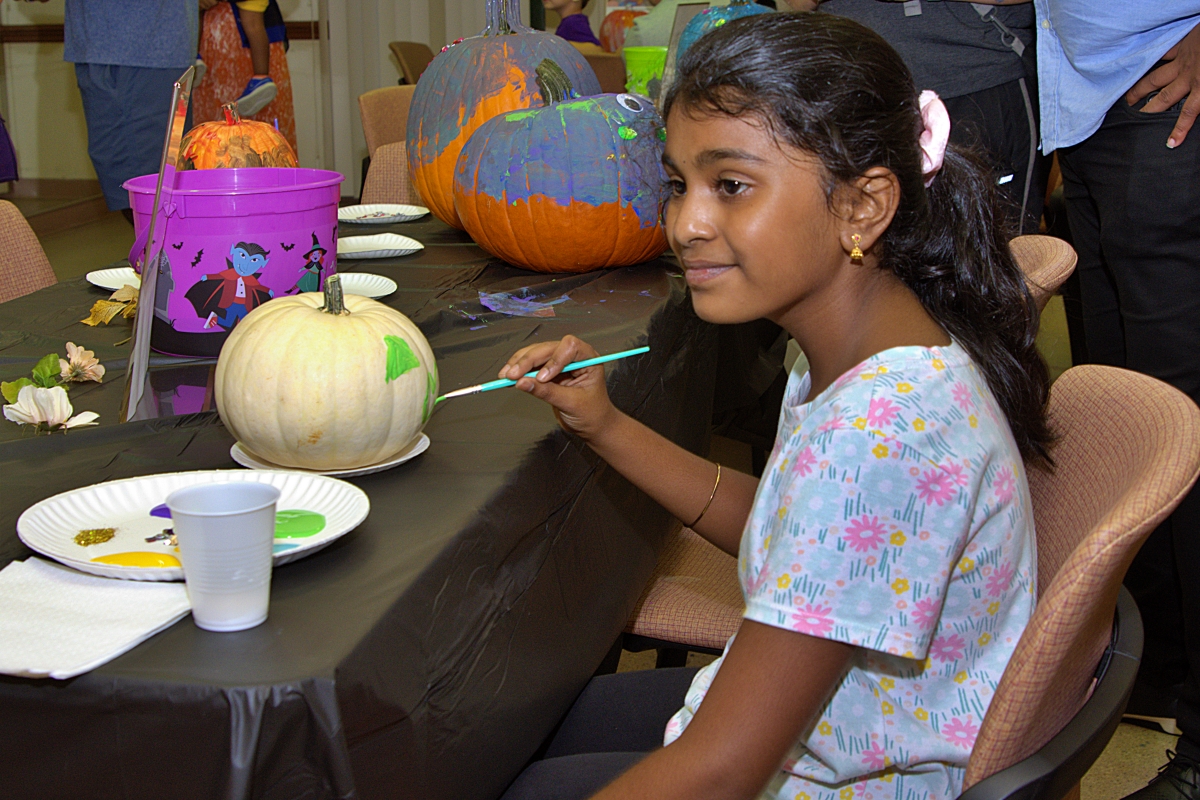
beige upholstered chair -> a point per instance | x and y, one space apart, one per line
1047 261
413 58
1129 452
387 178
384 114
23 264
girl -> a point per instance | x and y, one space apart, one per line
887 555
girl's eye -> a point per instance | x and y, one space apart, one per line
730 187
676 188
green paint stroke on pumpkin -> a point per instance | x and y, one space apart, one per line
298 524
517 116
662 134
627 132
400 358
430 391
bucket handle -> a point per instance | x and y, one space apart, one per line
138 252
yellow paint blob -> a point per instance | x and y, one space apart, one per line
139 559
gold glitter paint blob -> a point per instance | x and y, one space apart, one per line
93 536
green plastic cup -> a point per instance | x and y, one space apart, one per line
644 70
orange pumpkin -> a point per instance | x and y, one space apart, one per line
472 81
234 142
612 30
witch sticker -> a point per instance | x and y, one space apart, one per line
224 297
314 266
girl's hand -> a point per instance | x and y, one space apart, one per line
580 398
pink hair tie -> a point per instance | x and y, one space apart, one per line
935 136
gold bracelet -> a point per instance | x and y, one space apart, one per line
710 499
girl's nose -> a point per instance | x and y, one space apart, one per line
689 222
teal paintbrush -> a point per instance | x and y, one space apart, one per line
503 382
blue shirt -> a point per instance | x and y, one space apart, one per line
161 34
1090 53
575 28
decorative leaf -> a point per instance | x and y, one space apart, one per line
400 358
11 390
47 370
105 311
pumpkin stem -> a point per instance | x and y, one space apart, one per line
553 83
504 17
335 303
231 114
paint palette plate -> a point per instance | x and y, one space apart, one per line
366 284
313 512
113 279
417 446
381 245
380 213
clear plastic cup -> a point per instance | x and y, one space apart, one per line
226 532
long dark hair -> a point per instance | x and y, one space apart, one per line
833 88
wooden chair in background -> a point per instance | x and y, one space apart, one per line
24 267
413 58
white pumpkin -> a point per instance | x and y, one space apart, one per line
321 381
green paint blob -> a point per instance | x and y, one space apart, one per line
719 23
662 134
298 524
400 358
627 132
517 116
430 390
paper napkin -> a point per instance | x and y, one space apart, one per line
59 623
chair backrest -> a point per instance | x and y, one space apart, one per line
413 58
384 115
387 178
1128 452
1047 261
24 267
609 69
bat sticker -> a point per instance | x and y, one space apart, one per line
199 255
287 247
178 246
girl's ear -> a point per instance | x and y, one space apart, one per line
866 207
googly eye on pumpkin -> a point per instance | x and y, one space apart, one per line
630 103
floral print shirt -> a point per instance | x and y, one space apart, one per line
893 515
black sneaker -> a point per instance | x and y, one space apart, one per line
1178 779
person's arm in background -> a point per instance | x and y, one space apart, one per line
1174 81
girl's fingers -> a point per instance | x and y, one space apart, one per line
527 359
569 350
551 357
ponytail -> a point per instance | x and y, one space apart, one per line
833 88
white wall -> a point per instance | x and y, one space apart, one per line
41 105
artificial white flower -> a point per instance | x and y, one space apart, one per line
51 407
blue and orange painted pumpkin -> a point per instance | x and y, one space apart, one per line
570 187
472 81
714 17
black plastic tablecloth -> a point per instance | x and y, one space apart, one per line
429 652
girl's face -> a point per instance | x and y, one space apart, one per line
748 219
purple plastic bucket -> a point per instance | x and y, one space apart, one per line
233 239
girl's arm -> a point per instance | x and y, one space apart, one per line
765 698
680 481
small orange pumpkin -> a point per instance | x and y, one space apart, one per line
235 142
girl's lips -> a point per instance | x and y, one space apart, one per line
699 275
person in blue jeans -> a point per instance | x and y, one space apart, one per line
1119 96
127 57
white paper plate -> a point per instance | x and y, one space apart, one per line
380 213
381 245
115 278
366 284
249 460
50 527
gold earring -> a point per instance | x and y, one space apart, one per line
856 254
